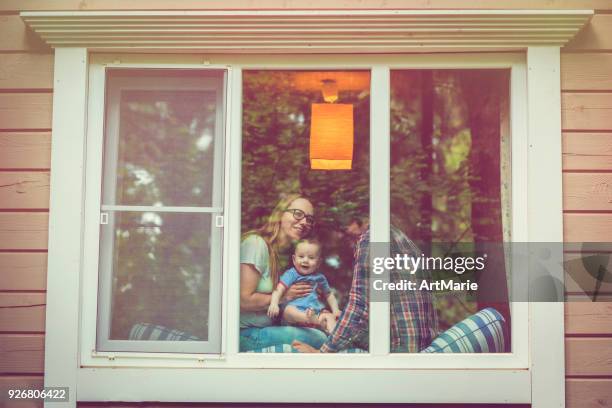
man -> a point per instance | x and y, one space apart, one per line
414 322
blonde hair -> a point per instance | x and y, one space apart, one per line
270 232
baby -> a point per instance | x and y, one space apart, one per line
306 310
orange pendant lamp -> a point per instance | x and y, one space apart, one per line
331 132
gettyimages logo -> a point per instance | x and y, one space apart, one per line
412 264
492 272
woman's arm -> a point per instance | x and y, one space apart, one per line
275 299
250 300
333 304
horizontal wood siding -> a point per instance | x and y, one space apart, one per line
23 231
587 191
587 227
25 150
30 382
22 312
15 37
26 85
597 36
23 271
20 111
586 82
583 318
590 71
26 81
22 353
588 356
587 111
587 151
587 393
26 71
19 190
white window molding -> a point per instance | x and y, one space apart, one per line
380 196
527 377
306 31
99 243
546 222
381 64
65 220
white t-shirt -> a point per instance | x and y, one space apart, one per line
254 251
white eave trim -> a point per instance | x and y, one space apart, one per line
326 31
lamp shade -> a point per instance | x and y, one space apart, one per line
329 88
331 136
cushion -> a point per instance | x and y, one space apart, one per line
286 348
148 331
482 332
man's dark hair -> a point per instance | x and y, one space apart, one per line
357 221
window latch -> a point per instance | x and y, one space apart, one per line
104 218
219 221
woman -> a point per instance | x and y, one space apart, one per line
261 262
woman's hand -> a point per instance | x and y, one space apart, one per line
273 311
297 290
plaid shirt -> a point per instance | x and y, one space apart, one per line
414 322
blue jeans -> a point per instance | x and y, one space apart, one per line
260 337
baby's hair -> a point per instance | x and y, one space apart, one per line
312 241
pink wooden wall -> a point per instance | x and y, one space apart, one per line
26 87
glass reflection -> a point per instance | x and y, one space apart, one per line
160 271
289 119
165 149
450 179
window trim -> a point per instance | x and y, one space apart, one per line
515 371
463 29
542 383
380 64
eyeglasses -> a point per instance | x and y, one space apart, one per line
300 215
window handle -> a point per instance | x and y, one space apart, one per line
104 218
219 221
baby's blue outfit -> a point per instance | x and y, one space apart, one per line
310 301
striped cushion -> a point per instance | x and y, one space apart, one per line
148 331
286 348
483 332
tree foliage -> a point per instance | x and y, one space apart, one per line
275 162
161 261
441 187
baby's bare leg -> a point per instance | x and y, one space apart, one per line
293 315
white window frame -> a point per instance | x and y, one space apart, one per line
98 256
95 378
380 67
533 373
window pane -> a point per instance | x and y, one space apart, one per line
305 134
160 266
162 141
450 194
